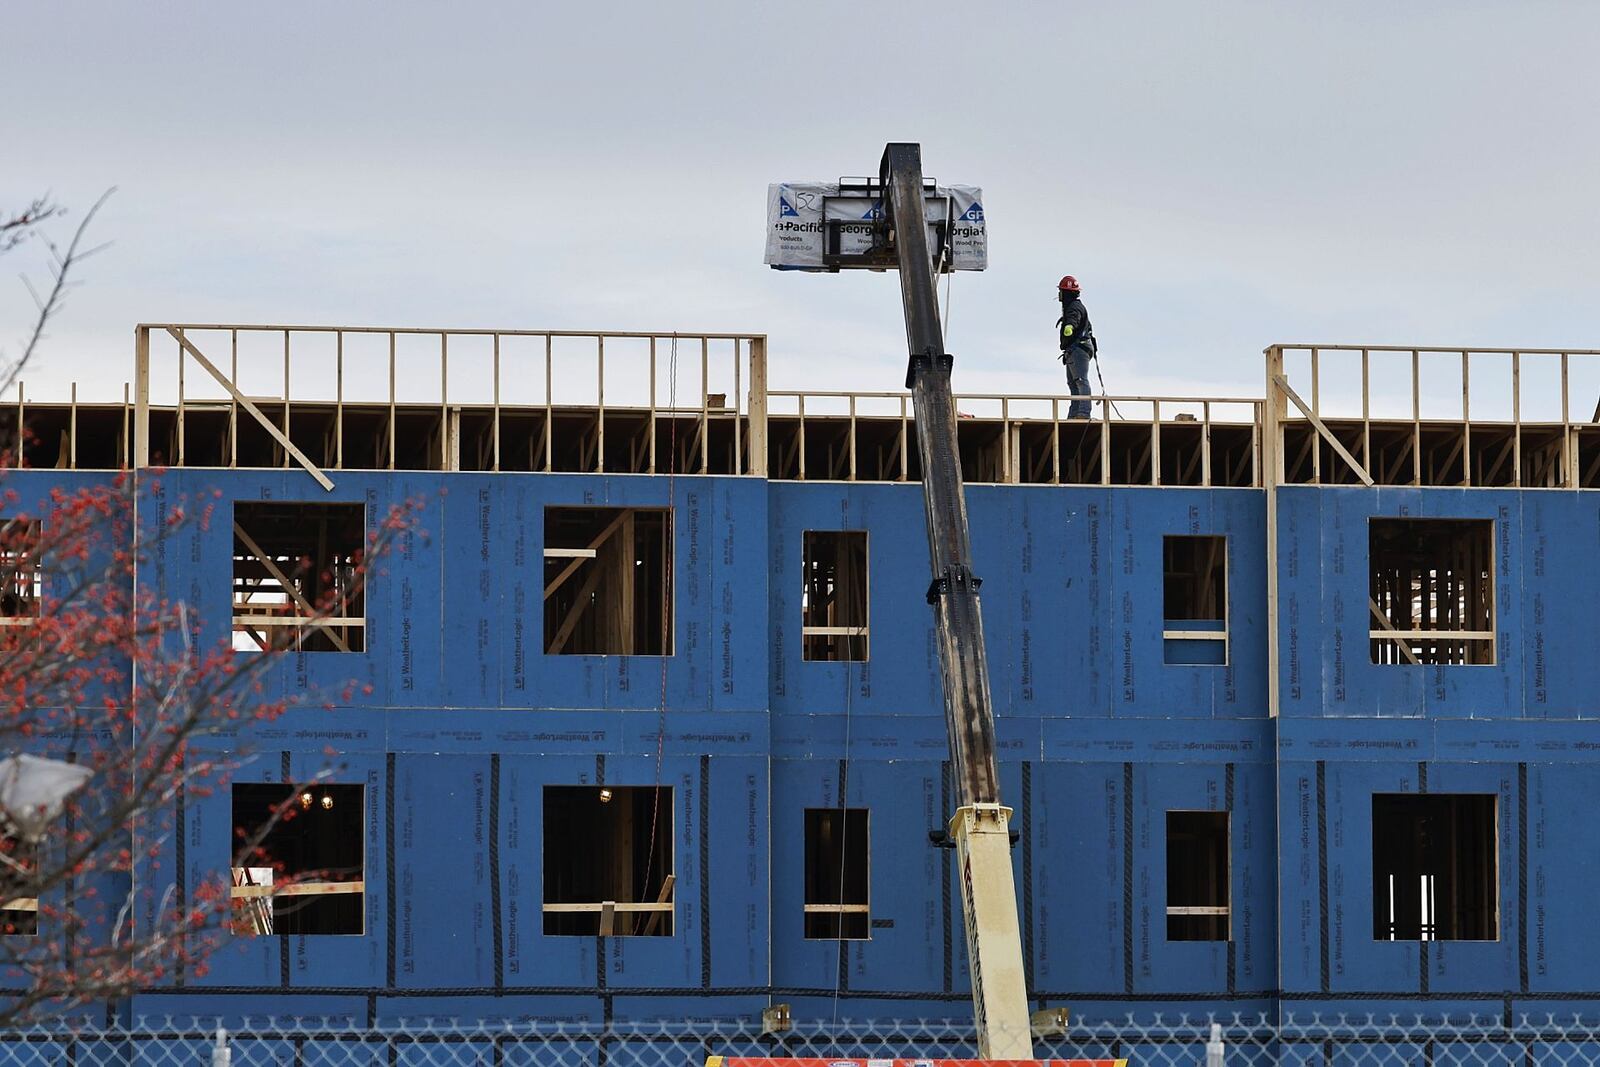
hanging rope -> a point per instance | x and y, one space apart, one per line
841 958
1095 359
666 604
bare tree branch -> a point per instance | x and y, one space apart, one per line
62 262
17 228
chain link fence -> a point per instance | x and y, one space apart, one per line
1181 1041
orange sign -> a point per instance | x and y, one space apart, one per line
780 1061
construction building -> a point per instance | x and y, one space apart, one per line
1289 689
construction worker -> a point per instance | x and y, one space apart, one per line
1077 344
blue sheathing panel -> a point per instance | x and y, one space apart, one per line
1192 966
1099 870
441 881
715 664
1468 966
39 1053
909 926
418 1009
455 721
247 1009
902 676
1544 586
578 1051
1081 914
737 886
1357 1053
455 622
1073 600
1122 556
1563 869
282 963
1560 584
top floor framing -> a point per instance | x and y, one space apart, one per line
330 398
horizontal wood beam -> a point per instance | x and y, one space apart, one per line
297 889
297 622
593 546
1441 635
1389 630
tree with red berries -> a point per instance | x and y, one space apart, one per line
107 699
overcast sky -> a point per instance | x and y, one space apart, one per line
1220 176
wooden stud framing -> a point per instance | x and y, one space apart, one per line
244 402
1271 451
1416 417
141 398
759 434
857 444
705 400
549 403
1516 419
1315 415
1279 382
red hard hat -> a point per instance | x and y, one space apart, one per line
1069 284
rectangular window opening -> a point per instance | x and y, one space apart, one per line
608 861
838 879
1194 599
21 581
833 599
1197 876
1435 870
608 581
293 562
19 902
1431 583
300 859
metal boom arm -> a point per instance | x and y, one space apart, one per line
980 826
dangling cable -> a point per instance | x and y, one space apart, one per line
842 958
666 601
1095 359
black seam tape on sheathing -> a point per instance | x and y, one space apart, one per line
494 870
1127 878
1322 873
705 872
388 854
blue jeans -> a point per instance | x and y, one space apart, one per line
1076 358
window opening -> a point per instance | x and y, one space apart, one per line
1434 867
21 583
19 903
1197 876
1431 590
838 881
607 581
833 600
607 870
300 859
1194 599
292 562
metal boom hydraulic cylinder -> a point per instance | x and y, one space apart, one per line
980 827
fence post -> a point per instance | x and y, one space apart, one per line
1213 1047
221 1054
